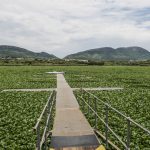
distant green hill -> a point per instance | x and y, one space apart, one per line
108 53
17 52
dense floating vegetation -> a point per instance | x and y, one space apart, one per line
18 114
20 110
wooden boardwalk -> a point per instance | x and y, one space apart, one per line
71 129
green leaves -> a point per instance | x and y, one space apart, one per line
133 101
25 77
18 115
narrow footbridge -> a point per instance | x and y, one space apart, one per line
71 130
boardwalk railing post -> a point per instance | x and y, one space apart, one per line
88 104
80 94
45 140
95 101
41 141
45 114
38 137
49 102
83 100
84 96
128 133
106 125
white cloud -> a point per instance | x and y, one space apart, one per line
65 26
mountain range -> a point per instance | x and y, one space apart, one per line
97 54
110 54
17 52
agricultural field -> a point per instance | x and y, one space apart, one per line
20 110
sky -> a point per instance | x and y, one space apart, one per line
63 27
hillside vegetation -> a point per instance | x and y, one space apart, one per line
110 54
17 52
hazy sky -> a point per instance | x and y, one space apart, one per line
62 27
